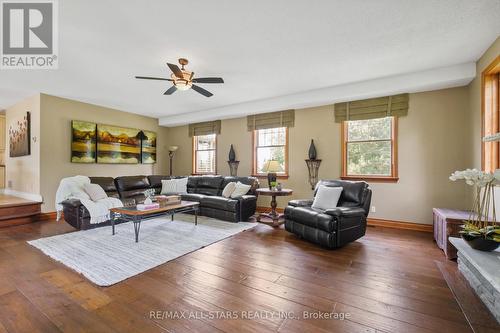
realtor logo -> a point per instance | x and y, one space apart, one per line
29 34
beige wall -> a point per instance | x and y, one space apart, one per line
56 116
22 174
430 142
473 130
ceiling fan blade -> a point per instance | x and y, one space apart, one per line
202 91
208 80
170 91
153 78
176 70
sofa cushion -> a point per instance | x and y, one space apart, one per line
208 185
311 217
192 197
228 189
168 186
95 191
326 197
155 180
107 183
353 193
240 189
222 203
132 186
253 181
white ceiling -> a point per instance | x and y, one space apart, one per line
271 54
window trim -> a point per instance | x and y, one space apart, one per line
393 178
493 69
193 171
254 157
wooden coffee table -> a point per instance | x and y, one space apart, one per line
136 216
276 218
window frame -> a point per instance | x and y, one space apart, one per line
194 171
284 175
393 178
490 119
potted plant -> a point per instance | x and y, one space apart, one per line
481 231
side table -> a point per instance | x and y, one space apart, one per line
276 218
446 223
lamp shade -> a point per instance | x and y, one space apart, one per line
173 148
272 166
141 136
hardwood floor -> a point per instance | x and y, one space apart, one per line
386 282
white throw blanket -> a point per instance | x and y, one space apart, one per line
73 188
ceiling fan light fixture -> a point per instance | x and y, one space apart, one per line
183 84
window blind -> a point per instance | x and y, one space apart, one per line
204 128
396 105
271 120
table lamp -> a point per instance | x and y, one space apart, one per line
271 167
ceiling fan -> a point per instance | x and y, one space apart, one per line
183 79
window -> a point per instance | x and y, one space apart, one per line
490 110
369 149
205 152
270 144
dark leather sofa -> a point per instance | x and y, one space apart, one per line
207 190
331 228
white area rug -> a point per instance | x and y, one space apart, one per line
106 259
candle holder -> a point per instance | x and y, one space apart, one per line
233 167
313 167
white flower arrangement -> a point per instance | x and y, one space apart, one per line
480 223
475 177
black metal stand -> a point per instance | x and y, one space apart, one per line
313 167
233 167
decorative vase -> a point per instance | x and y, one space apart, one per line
480 243
148 201
232 154
312 151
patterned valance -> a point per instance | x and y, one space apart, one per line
271 120
379 107
204 128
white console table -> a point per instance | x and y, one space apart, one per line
482 271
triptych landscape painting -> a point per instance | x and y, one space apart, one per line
108 144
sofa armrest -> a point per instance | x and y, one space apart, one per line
345 211
247 197
248 206
300 203
71 203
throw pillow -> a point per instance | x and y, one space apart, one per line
327 197
95 191
168 186
228 189
181 185
240 189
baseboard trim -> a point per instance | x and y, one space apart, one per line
48 216
373 222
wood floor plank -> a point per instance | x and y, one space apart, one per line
17 314
387 281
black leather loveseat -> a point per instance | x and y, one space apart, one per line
331 228
207 190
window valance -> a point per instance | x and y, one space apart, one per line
204 128
396 105
271 120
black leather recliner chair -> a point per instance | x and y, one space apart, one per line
335 227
